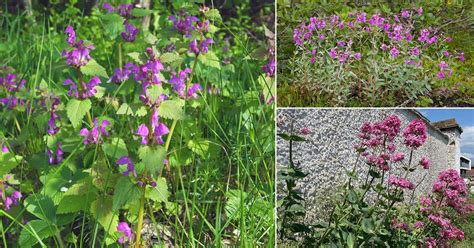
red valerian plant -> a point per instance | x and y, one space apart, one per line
379 211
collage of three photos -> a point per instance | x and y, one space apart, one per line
217 123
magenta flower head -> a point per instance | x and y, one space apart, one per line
55 157
126 232
183 24
415 134
425 162
71 35
415 51
130 33
192 91
94 135
269 68
179 81
357 56
143 132
159 131
397 157
5 149
107 7
125 10
394 52
305 131
400 182
130 166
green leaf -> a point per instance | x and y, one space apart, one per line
152 157
291 137
210 59
172 109
41 206
159 193
368 225
103 212
137 57
350 240
113 25
116 148
137 12
94 69
213 14
150 39
168 58
125 191
76 110
8 161
204 148
36 229
76 203
154 92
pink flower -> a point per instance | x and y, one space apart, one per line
415 51
418 224
126 232
400 182
394 52
357 56
143 132
305 131
425 162
397 157
415 134
333 53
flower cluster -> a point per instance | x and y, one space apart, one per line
85 90
449 193
11 85
400 182
55 157
415 134
158 129
183 23
78 54
125 11
130 166
94 136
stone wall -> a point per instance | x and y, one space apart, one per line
330 152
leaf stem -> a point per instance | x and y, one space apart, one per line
140 219
58 237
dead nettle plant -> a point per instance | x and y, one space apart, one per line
371 57
378 211
292 205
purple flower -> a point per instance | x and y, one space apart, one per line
93 136
341 43
357 56
130 166
269 68
8 202
122 75
183 24
108 8
446 53
415 51
397 157
72 88
203 27
192 91
394 52
461 56
79 55
361 18
333 53
159 131
178 81
55 158
441 75
5 148
405 14
433 40
443 65
321 37
125 10
130 32
383 47
143 132
424 34
126 232
409 62
71 35
415 134
52 128
420 11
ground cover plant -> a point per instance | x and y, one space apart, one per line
373 53
380 208
124 126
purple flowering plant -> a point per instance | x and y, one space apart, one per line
111 140
373 57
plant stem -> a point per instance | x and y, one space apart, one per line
140 219
17 124
168 139
89 118
60 241
119 47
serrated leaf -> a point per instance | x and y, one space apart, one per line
210 59
41 206
213 14
172 109
152 157
169 57
92 68
116 148
103 212
159 193
8 161
37 229
154 92
113 25
137 57
125 191
76 203
76 110
150 39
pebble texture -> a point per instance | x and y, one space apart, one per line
330 152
